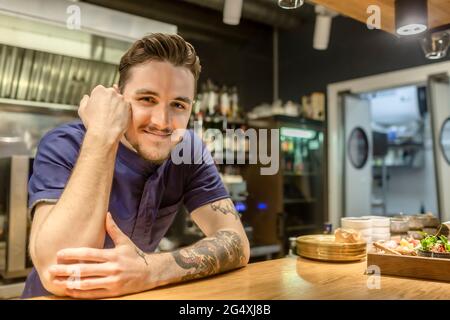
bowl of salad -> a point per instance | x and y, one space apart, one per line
434 247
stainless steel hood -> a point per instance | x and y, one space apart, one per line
36 76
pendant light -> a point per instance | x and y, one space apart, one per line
411 17
232 11
290 4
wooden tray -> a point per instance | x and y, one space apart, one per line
411 267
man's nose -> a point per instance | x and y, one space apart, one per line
160 116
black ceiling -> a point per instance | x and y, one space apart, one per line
200 23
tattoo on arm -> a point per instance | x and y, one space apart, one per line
141 254
210 256
225 207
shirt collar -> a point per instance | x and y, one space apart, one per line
134 161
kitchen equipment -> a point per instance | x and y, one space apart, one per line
290 202
324 247
14 174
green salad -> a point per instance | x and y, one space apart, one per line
437 244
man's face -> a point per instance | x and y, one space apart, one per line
161 97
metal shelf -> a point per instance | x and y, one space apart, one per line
301 227
303 174
293 201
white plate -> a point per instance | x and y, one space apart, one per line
378 221
356 223
383 230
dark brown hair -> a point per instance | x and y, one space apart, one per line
160 47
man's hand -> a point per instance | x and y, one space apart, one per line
105 112
98 273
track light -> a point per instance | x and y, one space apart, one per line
411 17
232 12
322 28
290 4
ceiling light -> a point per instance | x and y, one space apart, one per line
322 28
232 12
435 45
290 4
411 17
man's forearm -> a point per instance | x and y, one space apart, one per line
225 250
78 218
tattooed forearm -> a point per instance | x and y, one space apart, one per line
225 207
141 254
210 256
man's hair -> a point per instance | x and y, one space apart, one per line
159 47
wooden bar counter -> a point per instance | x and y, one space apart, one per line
297 278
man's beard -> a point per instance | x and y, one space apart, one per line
136 147
152 159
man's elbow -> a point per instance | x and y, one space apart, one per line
245 250
42 263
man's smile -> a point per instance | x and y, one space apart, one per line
157 134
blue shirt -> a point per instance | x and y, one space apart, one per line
144 197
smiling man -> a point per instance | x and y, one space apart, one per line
104 190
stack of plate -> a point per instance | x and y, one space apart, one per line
381 228
324 247
360 224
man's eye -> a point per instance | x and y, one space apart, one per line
178 105
148 99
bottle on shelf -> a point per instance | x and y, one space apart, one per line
224 102
234 103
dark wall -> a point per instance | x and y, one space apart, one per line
247 65
354 51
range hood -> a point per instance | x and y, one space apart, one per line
46 64
34 76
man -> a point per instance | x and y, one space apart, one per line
104 189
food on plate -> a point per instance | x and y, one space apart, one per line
347 236
406 247
436 244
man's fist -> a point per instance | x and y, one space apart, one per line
105 112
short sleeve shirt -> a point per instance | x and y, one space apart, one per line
144 197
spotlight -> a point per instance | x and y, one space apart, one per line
232 12
435 44
290 4
411 17
322 28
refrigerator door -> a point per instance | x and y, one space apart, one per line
439 105
358 156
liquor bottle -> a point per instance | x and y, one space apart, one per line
224 102
234 103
